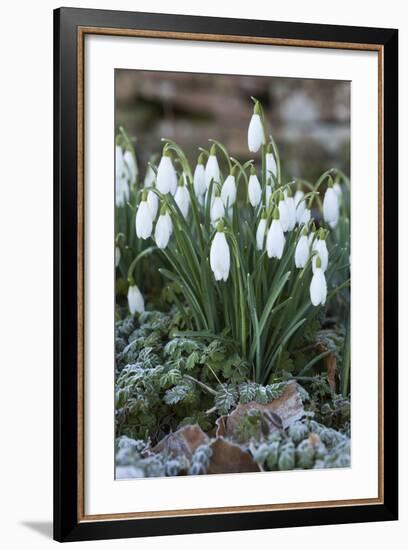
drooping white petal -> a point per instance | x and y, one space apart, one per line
303 215
271 168
284 215
260 234
220 257
166 180
255 133
212 170
144 221
337 188
298 197
135 300
319 246
199 180
182 198
131 165
153 202
150 176
302 252
229 192
331 207
122 193
119 162
300 205
254 190
275 240
217 210
117 256
291 210
163 230
318 288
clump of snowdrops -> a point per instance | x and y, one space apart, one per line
253 258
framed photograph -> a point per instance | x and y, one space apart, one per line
225 274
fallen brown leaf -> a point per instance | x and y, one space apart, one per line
183 442
228 458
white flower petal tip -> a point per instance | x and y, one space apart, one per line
318 288
135 300
255 133
271 168
163 230
331 207
212 170
182 199
275 240
229 192
254 190
302 252
220 257
199 180
320 247
153 202
166 180
260 234
291 211
284 215
144 221
217 210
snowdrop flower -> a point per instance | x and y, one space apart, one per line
121 183
300 206
275 240
268 194
283 213
337 188
120 169
144 220
182 197
302 250
117 256
291 208
254 189
331 206
220 255
318 286
166 180
255 130
150 176
164 228
271 168
212 170
131 165
199 177
260 232
135 300
153 202
229 190
217 208
319 246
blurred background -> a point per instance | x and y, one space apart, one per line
309 119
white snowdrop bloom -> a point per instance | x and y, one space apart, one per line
131 165
254 189
302 251
182 198
212 170
268 194
166 180
217 209
284 215
229 191
120 169
298 197
144 220
260 233
271 168
291 209
153 202
122 193
319 246
300 205
318 286
220 256
117 256
163 230
275 240
255 133
337 188
331 207
135 300
199 177
150 176
303 215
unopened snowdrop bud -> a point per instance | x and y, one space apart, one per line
135 300
302 250
320 247
217 208
229 190
153 202
261 231
150 176
166 180
117 256
199 177
318 286
212 170
331 206
255 130
291 209
283 212
271 168
182 197
144 220
275 240
254 189
220 255
131 165
164 228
